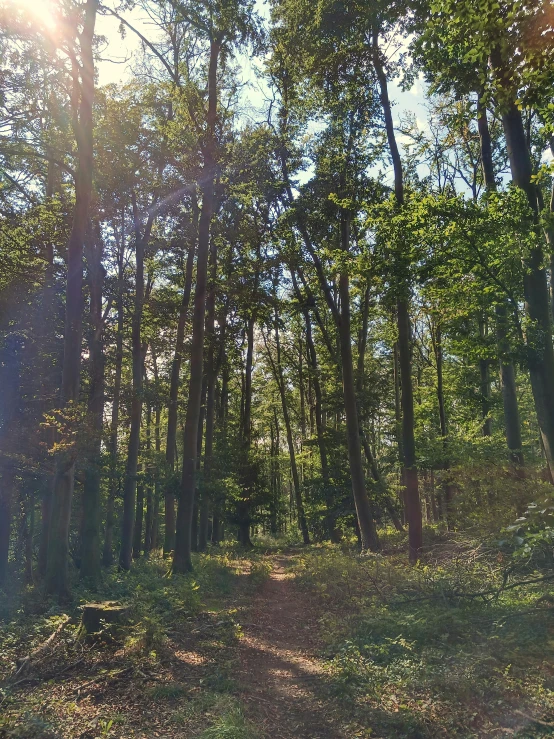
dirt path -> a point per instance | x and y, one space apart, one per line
281 677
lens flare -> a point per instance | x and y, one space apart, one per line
38 12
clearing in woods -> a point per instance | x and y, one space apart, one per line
311 643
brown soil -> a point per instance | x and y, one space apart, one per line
281 678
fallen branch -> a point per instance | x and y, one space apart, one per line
546 724
24 665
495 592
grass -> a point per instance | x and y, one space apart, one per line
231 725
413 653
437 650
193 616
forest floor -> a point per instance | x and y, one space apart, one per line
293 643
282 676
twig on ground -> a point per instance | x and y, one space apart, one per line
25 664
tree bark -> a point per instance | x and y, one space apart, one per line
412 503
540 352
139 515
512 423
436 338
182 561
368 532
107 552
169 501
156 507
130 482
302 523
57 573
10 371
149 519
211 376
485 382
322 447
90 549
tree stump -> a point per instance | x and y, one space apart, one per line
97 616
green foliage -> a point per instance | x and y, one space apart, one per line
231 725
418 653
533 532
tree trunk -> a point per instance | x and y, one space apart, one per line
57 573
413 508
485 382
90 549
10 371
211 376
6 504
368 532
243 507
139 515
314 370
169 537
49 381
302 523
130 482
182 560
107 552
507 372
148 520
436 338
537 304
412 504
156 507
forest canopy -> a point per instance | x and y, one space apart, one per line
323 314
245 292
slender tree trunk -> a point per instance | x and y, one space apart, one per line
243 507
485 383
107 552
139 515
27 532
537 303
169 538
149 520
302 523
49 382
156 509
211 376
130 482
332 532
436 337
182 560
10 371
375 472
413 508
57 573
512 423
90 548
368 532
412 503
6 504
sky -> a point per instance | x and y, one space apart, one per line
115 69
119 55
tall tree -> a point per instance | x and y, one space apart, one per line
80 43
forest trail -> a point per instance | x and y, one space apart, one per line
281 676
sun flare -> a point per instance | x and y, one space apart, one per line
42 12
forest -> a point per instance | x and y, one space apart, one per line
276 369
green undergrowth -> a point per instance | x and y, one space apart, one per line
229 723
196 616
436 650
